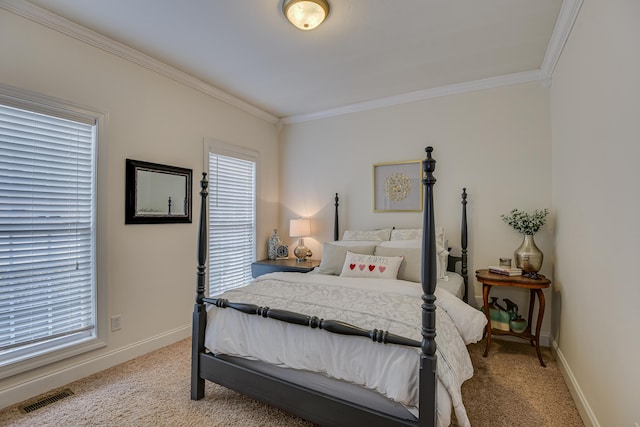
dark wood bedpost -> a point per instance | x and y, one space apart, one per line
336 231
464 272
428 359
199 311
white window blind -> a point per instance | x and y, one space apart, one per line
232 222
47 233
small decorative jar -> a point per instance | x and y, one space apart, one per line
518 325
505 262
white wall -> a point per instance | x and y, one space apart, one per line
494 142
595 110
151 268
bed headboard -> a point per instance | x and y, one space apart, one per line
453 261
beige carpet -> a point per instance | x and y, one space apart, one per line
509 388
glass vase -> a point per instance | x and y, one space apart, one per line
274 241
528 257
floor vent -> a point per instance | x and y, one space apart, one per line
48 400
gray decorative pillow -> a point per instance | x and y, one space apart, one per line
411 267
333 256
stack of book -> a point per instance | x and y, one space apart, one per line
506 271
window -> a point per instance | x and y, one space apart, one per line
48 274
232 220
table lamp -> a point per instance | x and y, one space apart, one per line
300 228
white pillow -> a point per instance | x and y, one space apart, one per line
440 237
442 260
371 266
333 256
406 234
377 235
416 234
416 244
355 242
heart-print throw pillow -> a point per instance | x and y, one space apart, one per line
377 267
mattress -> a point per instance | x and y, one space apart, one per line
391 305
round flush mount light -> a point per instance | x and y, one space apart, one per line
305 14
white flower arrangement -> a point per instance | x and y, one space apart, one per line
524 222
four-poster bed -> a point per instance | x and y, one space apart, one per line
314 396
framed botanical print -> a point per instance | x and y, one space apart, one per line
397 187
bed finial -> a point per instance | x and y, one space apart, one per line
429 166
204 184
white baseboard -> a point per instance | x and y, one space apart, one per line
58 378
588 417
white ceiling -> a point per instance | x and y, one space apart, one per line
366 50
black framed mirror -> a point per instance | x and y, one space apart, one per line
157 194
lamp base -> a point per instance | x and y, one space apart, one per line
301 253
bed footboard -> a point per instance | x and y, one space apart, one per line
333 326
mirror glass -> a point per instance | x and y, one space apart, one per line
160 193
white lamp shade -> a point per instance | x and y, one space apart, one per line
306 14
299 228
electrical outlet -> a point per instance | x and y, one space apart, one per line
115 323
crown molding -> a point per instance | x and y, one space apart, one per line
69 28
488 83
566 18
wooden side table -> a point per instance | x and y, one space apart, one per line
265 266
535 287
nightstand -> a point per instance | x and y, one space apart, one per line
265 266
535 287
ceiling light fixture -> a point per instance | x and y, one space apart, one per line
305 14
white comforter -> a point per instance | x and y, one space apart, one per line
391 305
